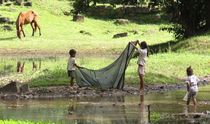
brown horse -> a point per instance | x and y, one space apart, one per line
26 18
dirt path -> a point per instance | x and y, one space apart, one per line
27 53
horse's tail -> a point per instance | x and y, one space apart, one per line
18 22
18 25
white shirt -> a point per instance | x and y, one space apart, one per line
193 82
71 63
142 56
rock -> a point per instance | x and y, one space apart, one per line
85 32
10 96
4 20
19 2
125 34
66 13
1 1
78 18
161 87
7 28
134 31
122 21
12 87
27 4
24 88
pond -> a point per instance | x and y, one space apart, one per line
107 110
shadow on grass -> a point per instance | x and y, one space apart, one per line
7 38
180 44
136 14
162 47
150 18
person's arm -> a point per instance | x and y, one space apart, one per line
77 66
139 44
134 44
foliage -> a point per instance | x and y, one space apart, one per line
190 16
80 6
176 29
155 117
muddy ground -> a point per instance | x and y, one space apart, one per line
75 91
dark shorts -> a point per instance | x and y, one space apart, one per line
71 73
192 95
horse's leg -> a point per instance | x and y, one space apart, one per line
33 28
37 26
22 30
18 28
18 34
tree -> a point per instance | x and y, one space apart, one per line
188 15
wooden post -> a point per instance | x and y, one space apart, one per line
40 64
22 67
34 66
18 66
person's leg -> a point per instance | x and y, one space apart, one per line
141 77
194 101
72 81
194 98
188 98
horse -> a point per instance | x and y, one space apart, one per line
25 18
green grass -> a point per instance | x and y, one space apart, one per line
60 33
21 122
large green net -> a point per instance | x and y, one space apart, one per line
112 76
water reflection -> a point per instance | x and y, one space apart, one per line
107 110
100 110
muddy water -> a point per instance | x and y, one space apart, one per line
107 110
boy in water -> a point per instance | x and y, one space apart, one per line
192 86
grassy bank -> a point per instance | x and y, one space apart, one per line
165 68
